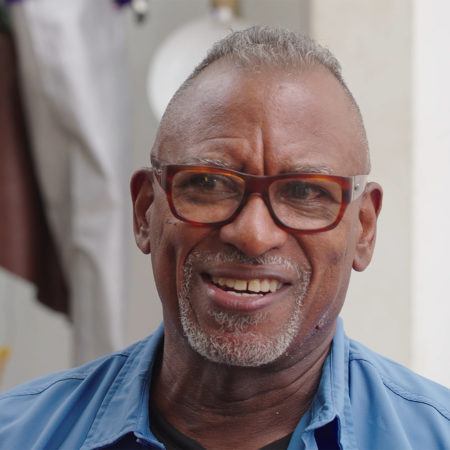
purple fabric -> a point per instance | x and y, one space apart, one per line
122 2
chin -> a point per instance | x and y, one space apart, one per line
240 340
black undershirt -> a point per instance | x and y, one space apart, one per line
173 439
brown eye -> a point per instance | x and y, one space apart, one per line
206 183
300 191
201 181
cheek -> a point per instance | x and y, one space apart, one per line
330 257
162 255
159 219
335 249
171 242
327 254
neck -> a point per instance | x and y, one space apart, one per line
205 400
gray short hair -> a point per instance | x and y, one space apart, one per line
275 48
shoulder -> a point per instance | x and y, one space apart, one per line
52 405
68 380
394 397
399 380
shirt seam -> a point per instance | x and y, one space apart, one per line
40 390
349 430
406 395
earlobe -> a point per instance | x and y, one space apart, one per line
142 197
368 215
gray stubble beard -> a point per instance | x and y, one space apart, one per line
237 345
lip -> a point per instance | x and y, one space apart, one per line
232 302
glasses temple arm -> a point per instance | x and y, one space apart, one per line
358 186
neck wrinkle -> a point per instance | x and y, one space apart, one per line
230 392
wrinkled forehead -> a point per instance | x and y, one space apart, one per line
263 115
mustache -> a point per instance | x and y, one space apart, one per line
232 255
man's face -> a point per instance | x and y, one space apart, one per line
264 123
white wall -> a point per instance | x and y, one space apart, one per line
39 338
430 186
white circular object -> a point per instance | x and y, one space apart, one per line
178 55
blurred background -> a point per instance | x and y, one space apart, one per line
394 55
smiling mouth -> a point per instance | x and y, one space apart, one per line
250 287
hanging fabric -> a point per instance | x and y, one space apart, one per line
73 65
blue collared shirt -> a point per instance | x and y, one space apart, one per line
364 401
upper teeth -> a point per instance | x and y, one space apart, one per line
254 285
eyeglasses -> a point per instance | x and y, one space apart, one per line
300 202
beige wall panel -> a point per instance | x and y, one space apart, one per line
372 41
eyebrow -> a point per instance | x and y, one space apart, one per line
202 161
302 168
298 168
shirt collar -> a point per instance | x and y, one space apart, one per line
125 409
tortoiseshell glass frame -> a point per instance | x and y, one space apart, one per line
352 188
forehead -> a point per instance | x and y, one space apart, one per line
264 121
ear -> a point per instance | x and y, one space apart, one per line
142 197
368 214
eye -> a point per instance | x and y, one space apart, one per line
206 186
207 182
302 191
204 181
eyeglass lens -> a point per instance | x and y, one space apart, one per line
299 203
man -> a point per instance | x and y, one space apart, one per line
255 211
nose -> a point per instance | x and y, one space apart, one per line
253 231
